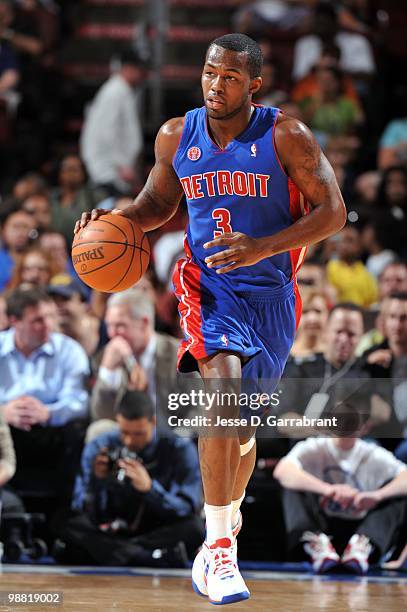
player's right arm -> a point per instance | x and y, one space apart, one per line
159 199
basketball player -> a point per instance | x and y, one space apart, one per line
258 190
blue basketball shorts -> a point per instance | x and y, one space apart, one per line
258 326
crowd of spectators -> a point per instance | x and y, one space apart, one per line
80 372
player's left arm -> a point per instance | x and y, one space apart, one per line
309 169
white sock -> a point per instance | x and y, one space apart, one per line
218 522
236 503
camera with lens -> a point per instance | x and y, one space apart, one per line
114 455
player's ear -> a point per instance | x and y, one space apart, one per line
255 85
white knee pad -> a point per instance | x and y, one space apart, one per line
247 447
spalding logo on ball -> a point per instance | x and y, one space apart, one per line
110 254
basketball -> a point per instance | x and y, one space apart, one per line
111 253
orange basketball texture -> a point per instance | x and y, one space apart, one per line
110 254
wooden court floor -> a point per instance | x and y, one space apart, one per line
118 593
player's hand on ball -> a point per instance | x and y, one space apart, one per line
242 251
92 216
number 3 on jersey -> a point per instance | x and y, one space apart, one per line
222 218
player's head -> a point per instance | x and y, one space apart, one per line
231 75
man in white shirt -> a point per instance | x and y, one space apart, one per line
350 489
356 52
112 138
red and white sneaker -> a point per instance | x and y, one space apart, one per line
323 555
200 568
356 554
224 582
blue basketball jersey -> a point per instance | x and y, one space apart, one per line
241 188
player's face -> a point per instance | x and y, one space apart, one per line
226 84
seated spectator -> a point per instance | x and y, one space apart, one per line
392 195
17 230
391 354
393 279
137 495
35 268
136 357
309 338
379 242
347 489
312 276
72 197
331 113
366 188
55 244
39 207
319 382
356 53
348 274
42 394
73 316
28 185
393 145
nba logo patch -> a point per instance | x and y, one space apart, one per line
224 340
194 153
253 150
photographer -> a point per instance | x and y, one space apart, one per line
137 495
